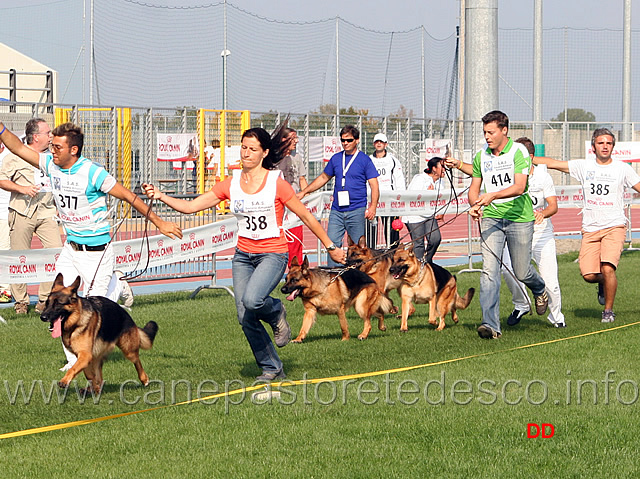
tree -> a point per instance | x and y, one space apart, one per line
576 114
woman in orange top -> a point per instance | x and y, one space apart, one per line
258 195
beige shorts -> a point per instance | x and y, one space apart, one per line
603 246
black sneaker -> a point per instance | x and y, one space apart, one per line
485 332
282 330
559 325
542 302
515 317
601 294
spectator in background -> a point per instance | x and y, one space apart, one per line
294 173
353 170
426 226
31 209
5 288
390 178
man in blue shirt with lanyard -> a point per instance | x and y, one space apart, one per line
352 170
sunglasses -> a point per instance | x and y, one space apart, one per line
347 140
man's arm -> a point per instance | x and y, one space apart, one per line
551 163
303 182
466 168
370 212
167 228
31 190
316 184
474 193
15 146
518 187
549 211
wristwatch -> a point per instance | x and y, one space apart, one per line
331 247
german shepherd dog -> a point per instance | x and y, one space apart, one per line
427 283
91 327
327 292
375 263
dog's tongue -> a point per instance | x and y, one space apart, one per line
293 295
56 332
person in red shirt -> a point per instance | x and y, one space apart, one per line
257 196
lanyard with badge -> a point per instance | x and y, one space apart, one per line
343 195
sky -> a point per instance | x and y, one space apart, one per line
440 17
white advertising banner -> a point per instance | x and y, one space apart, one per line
177 146
321 148
34 266
433 147
628 151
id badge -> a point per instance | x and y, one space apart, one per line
343 198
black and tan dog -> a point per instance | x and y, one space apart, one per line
427 283
327 292
375 263
91 327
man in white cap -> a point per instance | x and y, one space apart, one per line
391 178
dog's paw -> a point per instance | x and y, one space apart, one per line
362 337
296 341
394 310
63 384
404 330
382 328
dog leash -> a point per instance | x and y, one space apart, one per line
145 236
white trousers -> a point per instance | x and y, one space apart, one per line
544 254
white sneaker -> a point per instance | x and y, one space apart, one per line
126 294
66 367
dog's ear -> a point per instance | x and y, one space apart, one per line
362 242
349 241
294 261
59 281
76 285
305 263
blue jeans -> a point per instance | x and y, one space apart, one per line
255 275
340 221
430 230
518 236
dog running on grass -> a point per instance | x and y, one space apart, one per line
328 292
90 328
427 283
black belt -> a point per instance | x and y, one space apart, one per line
84 247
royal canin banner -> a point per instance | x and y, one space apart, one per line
177 146
35 266
627 151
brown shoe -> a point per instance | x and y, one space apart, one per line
40 306
21 308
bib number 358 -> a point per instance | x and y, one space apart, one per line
253 223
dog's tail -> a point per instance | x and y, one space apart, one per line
463 302
385 305
148 334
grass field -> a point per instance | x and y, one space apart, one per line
462 418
